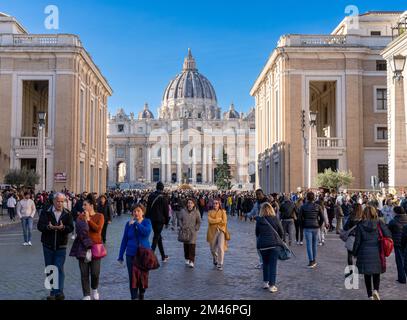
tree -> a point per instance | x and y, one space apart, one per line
223 176
22 178
334 179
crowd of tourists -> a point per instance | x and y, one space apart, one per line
371 224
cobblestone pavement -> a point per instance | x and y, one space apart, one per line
22 271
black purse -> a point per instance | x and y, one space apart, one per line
285 252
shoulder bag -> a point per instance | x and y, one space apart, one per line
285 252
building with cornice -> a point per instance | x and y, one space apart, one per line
397 105
185 142
340 76
52 73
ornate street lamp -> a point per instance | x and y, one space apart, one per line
398 64
313 118
42 116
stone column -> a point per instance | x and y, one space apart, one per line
194 165
398 143
179 164
148 164
210 165
163 166
169 170
204 163
132 166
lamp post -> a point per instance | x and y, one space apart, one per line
312 149
398 64
42 116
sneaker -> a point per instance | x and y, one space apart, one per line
370 298
301 243
95 295
25 244
165 259
86 298
30 244
73 237
220 267
259 266
298 243
320 244
314 264
60 297
376 295
266 285
191 264
187 262
215 263
273 289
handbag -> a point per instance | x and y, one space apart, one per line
349 243
145 259
227 235
386 243
344 235
184 235
285 252
98 251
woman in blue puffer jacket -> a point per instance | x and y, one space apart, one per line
136 233
269 232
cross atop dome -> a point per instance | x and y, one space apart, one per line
189 62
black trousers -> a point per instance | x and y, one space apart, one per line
368 283
189 251
104 230
12 213
157 239
92 268
299 231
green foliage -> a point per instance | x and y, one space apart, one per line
334 179
22 178
223 176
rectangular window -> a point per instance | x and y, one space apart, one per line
383 173
277 120
140 129
381 99
381 134
120 153
82 113
92 123
120 128
82 176
92 178
100 181
375 33
381 65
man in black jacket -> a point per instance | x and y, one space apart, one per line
288 216
55 225
396 227
158 212
311 218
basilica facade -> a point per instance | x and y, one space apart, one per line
187 140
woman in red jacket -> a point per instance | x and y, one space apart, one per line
95 222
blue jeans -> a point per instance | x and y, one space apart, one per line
27 224
270 259
311 239
56 258
401 268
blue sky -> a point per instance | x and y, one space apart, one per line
140 45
